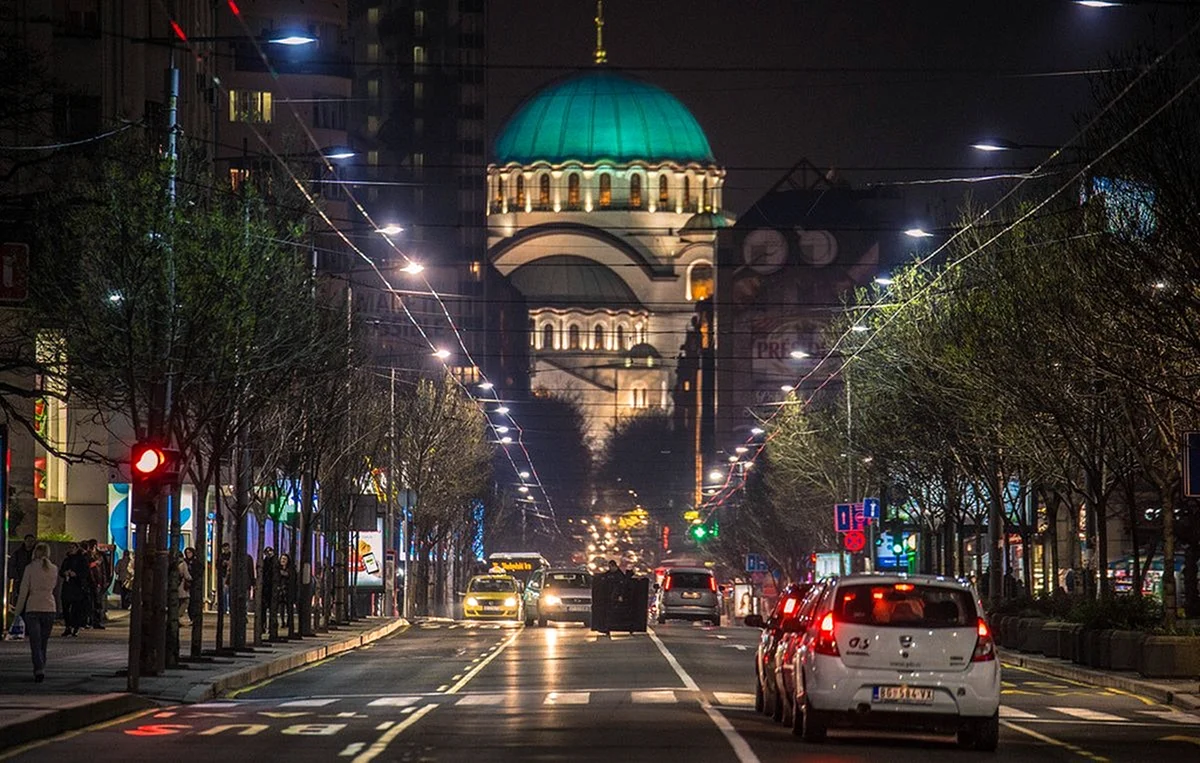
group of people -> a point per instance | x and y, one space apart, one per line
278 591
86 575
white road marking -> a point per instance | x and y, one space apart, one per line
352 749
309 702
385 725
740 747
733 699
1086 714
568 698
1165 714
1014 713
382 742
475 670
394 702
477 700
654 697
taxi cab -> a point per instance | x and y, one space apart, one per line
493 597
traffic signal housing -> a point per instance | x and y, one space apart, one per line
154 471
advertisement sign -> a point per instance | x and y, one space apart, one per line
366 558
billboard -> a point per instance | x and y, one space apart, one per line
366 557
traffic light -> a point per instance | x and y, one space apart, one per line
154 469
698 532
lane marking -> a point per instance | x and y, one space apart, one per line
382 742
654 697
443 687
385 725
741 748
1180 738
1086 714
733 699
1055 742
476 700
1138 697
567 698
394 701
1167 714
308 703
1014 713
351 749
483 664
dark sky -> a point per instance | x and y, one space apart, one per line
880 89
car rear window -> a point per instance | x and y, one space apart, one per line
690 580
568 580
492 585
905 604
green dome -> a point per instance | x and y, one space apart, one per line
601 115
568 280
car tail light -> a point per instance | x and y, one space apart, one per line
826 644
789 606
985 647
712 583
667 583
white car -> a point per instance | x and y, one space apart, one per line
898 651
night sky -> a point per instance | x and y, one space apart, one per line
882 90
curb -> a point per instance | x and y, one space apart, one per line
251 675
78 713
1157 692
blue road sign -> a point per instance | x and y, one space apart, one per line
843 517
871 508
1191 465
756 563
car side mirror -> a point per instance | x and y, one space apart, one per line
754 621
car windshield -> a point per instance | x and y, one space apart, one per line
905 604
690 579
568 580
492 585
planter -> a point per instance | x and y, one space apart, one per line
1170 657
1125 649
1095 648
1031 629
1004 630
1051 638
1068 641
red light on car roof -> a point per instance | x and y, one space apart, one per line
789 606
877 595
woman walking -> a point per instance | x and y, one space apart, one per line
76 577
38 604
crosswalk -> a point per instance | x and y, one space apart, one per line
1069 714
568 699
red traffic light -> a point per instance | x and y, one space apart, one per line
149 460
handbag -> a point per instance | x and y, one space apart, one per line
17 629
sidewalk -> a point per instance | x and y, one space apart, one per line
1183 693
85 675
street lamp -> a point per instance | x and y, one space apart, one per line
391 229
485 386
412 268
797 355
757 431
918 232
441 354
884 279
502 410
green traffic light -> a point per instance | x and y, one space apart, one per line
898 549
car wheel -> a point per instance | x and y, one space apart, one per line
541 622
981 735
812 729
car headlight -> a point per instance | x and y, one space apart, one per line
511 601
552 600
472 601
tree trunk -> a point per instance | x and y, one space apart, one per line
174 541
995 538
1191 597
1170 606
304 585
200 587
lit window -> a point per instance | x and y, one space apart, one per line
598 338
664 190
373 51
605 190
548 337
373 15
687 192
249 106
620 337
372 158
521 191
544 191
419 22
499 191
635 192
573 190
419 55
373 87
700 281
573 337
418 93
372 123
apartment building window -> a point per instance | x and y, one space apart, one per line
664 190
418 23
373 51
250 106
605 190
372 123
329 112
373 87
635 192
420 58
373 15
418 93
373 158
418 163
573 191
78 18
418 127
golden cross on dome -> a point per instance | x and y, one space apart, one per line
601 54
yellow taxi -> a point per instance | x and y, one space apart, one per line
493 597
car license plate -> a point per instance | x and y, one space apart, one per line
578 608
909 695
491 607
691 595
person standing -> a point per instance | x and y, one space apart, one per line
266 605
125 578
19 560
37 603
97 586
76 577
185 579
285 583
195 600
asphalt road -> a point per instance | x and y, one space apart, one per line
443 691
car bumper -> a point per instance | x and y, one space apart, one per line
478 613
686 610
559 614
847 693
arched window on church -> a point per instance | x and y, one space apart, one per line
664 191
548 337
521 191
572 337
605 190
544 191
620 338
638 397
635 192
598 337
532 333
704 205
499 190
700 281
573 191
687 193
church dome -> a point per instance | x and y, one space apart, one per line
567 280
600 115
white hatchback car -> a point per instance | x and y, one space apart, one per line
899 651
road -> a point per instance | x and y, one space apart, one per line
449 691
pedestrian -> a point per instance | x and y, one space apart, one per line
195 590
224 572
19 560
184 590
266 605
286 591
37 603
125 569
75 579
97 585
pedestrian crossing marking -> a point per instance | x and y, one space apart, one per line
468 700
733 699
568 698
394 702
1012 713
1171 714
654 697
308 702
1084 714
